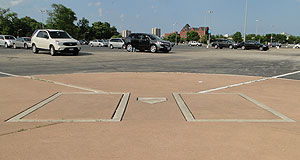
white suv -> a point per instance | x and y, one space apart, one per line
55 41
7 40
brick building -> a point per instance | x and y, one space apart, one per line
202 31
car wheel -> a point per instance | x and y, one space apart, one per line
111 46
243 48
25 46
14 46
261 48
34 49
129 48
123 46
230 47
6 45
153 48
52 51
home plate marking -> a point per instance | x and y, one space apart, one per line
152 100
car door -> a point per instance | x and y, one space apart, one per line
19 42
119 43
135 40
144 41
42 40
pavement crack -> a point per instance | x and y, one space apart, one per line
28 129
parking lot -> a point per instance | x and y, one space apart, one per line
112 104
181 59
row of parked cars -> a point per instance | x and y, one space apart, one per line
251 44
136 41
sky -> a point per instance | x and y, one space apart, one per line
228 17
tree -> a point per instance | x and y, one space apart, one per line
237 37
172 37
192 36
83 28
103 30
62 18
7 21
117 36
250 37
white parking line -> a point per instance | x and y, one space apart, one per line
53 82
248 82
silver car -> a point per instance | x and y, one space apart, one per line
99 43
116 43
23 42
7 40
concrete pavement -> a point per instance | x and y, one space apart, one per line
262 124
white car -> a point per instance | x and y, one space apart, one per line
99 43
116 43
55 41
7 40
297 46
194 43
23 42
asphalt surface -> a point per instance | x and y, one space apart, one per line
180 59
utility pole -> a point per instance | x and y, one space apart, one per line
245 27
209 29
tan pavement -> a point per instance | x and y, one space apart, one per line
257 120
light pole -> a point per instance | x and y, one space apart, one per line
175 32
43 11
209 29
256 27
245 27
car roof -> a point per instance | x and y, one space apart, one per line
51 30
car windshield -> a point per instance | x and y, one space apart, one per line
59 34
154 37
9 37
27 39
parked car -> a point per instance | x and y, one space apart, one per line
274 44
194 43
144 41
116 43
23 42
83 42
224 43
297 46
55 41
99 43
7 40
252 45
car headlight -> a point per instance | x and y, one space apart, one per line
59 43
159 43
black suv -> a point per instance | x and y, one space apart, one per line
144 41
224 43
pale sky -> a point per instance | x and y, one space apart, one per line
275 16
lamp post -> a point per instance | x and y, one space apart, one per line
175 32
43 11
256 27
209 29
245 27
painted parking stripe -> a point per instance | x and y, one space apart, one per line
53 82
248 82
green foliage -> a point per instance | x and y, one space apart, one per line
192 36
117 36
62 18
101 30
204 39
237 37
83 28
172 37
